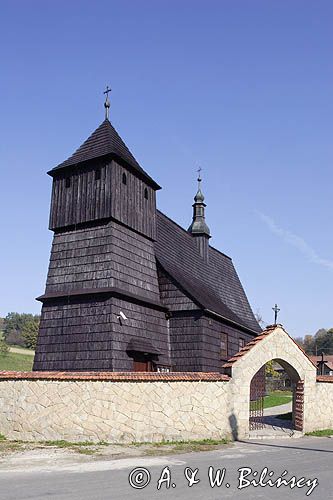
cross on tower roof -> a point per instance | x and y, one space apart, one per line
107 102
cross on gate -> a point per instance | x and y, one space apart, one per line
276 311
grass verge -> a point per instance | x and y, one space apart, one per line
70 444
118 450
321 433
152 448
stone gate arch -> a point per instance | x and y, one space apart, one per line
257 419
273 344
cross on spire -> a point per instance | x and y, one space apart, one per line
276 312
199 178
107 102
199 174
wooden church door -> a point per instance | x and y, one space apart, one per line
142 364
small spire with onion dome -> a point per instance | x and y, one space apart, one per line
198 227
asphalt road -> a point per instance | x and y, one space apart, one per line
309 458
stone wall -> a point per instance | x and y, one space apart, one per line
115 411
321 407
125 407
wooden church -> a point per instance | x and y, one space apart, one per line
128 289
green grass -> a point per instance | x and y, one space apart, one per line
16 362
81 447
275 398
171 443
191 445
70 444
21 350
91 448
173 447
322 433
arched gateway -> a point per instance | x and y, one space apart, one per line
258 389
246 371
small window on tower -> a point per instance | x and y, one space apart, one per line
68 182
224 346
97 174
241 343
146 193
124 179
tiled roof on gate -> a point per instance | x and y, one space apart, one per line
269 329
249 346
214 285
105 141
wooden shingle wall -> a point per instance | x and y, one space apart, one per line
211 341
75 336
78 197
196 342
86 334
171 294
142 322
186 342
108 255
129 205
85 199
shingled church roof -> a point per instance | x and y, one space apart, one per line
214 284
102 142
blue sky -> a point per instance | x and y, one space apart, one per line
242 88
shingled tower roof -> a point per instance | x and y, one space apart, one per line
105 141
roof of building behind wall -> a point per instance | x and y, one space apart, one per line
214 284
328 360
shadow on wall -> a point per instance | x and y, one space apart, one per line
233 426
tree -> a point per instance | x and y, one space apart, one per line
324 342
30 332
299 341
13 325
4 349
270 371
309 344
259 318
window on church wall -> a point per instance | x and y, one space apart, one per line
146 194
224 346
241 343
68 182
124 179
